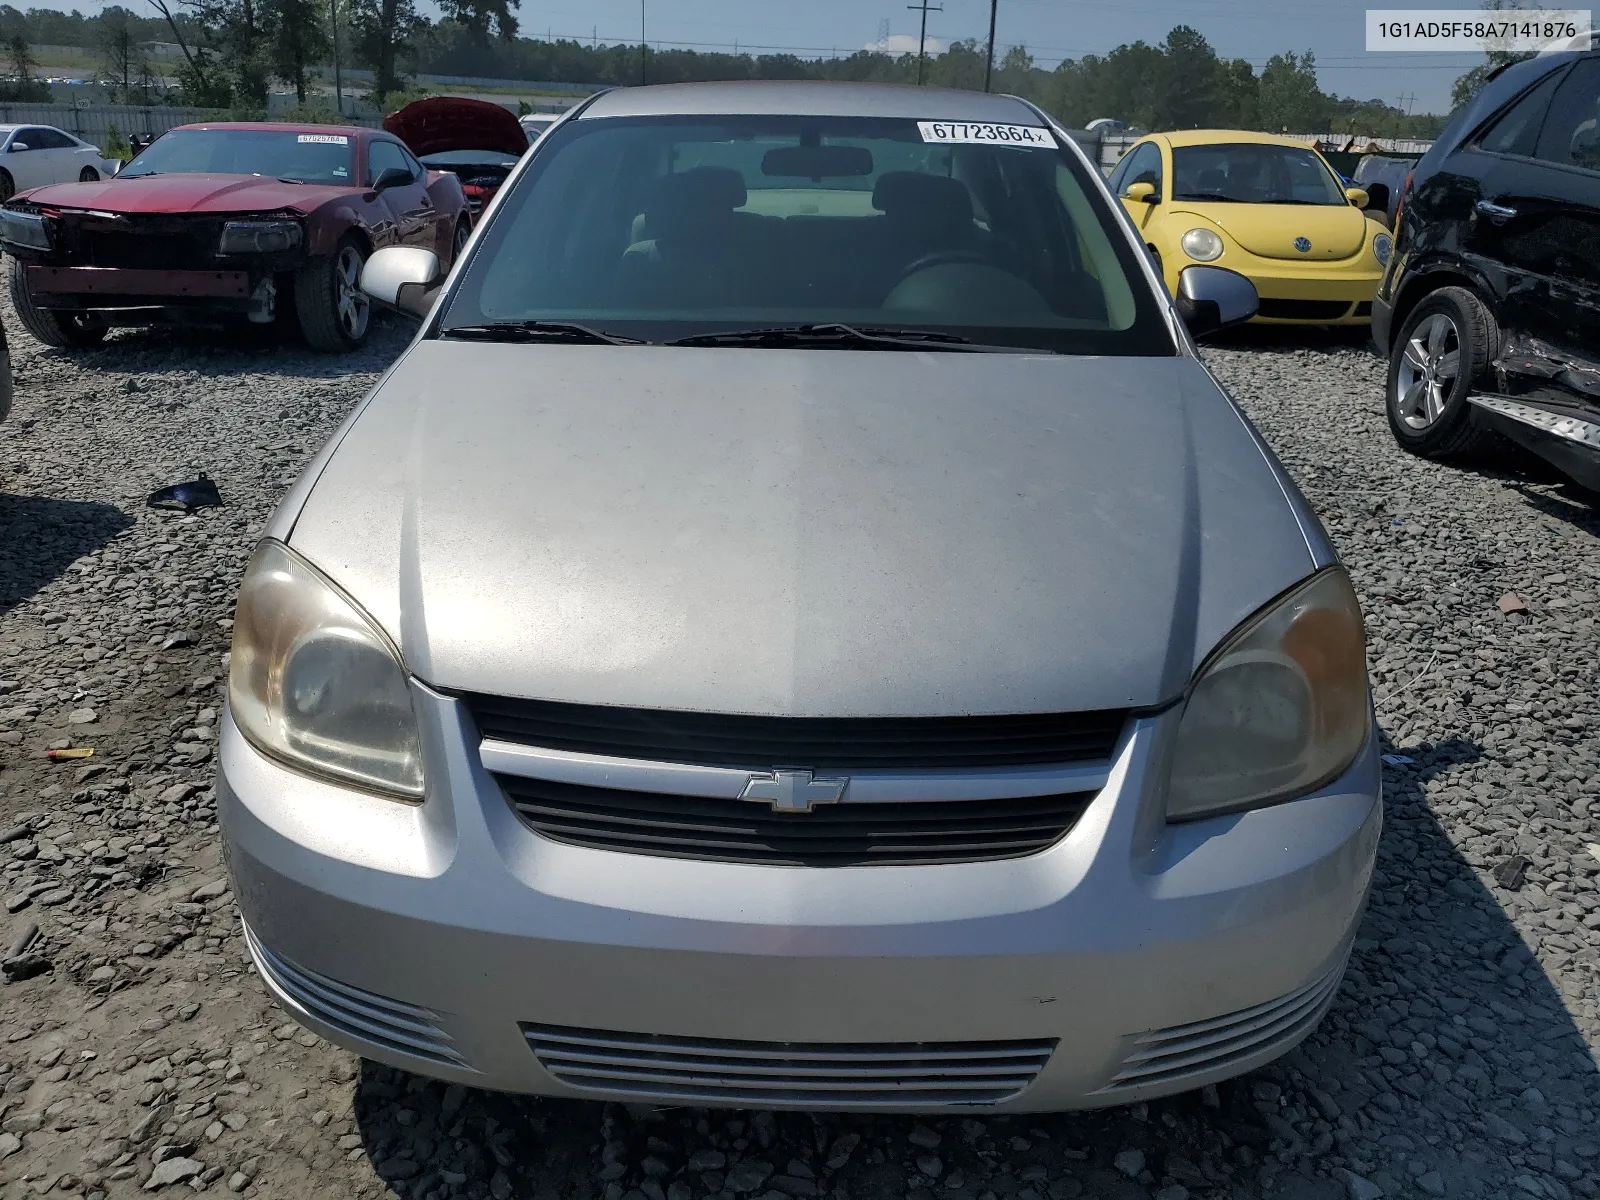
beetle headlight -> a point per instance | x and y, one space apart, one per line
1280 709
315 683
1202 245
1382 246
259 237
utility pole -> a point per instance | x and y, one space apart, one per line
644 45
988 72
922 45
338 75
1408 99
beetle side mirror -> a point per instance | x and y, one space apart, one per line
1356 196
393 177
1213 298
1141 192
406 278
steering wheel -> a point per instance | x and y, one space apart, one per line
944 258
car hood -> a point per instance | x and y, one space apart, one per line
801 532
1271 230
442 123
188 194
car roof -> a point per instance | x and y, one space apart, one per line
809 98
1214 137
283 127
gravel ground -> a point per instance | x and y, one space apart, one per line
139 1053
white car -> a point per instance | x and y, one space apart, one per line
34 155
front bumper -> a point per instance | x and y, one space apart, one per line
1131 959
80 288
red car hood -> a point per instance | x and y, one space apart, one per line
442 123
188 194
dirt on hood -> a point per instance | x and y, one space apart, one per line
442 123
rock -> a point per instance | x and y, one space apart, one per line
1503 1130
10 1143
500 1186
747 1176
1175 1191
1431 1182
398 1167
238 1181
1129 1162
707 1159
1357 1188
172 1170
922 1136
82 716
930 1165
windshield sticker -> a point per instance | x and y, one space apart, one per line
960 133
325 139
341 171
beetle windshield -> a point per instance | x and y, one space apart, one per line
667 228
307 157
1251 173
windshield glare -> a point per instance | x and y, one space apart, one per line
1246 173
672 227
282 154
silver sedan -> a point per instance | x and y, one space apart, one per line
801 627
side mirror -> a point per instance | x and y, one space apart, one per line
406 278
1141 192
1213 298
1356 196
16 146
393 177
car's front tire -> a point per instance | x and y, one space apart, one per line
334 314
88 175
1443 349
5 377
51 328
8 185
459 242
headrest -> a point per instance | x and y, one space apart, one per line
914 195
690 198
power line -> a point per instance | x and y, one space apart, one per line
922 45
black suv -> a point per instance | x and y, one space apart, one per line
1489 311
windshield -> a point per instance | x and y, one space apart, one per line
667 228
282 154
1247 173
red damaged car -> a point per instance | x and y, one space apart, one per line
477 141
252 221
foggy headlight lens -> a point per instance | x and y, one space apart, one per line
1202 245
315 683
1280 710
1382 245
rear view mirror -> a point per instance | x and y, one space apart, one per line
1213 298
406 278
1140 192
817 162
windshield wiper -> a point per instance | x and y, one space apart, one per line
835 334
284 179
537 331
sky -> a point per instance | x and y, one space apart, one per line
1051 29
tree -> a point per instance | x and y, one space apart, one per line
1290 97
1470 84
381 32
476 16
202 82
237 29
119 53
1187 94
298 42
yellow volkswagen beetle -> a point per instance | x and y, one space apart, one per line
1267 207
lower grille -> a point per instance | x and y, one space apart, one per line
840 1075
834 835
1168 1056
365 1016
143 248
1364 309
1304 310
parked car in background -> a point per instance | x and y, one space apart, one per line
1382 177
1490 310
776 640
1268 207
34 155
536 125
233 220
475 140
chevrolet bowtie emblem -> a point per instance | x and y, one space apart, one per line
794 791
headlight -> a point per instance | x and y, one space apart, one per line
24 229
1382 244
1279 710
315 683
259 237
1202 245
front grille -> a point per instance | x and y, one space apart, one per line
153 243
837 1075
761 743
1167 1057
365 1016
831 835
1304 310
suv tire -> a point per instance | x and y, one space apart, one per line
1444 348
